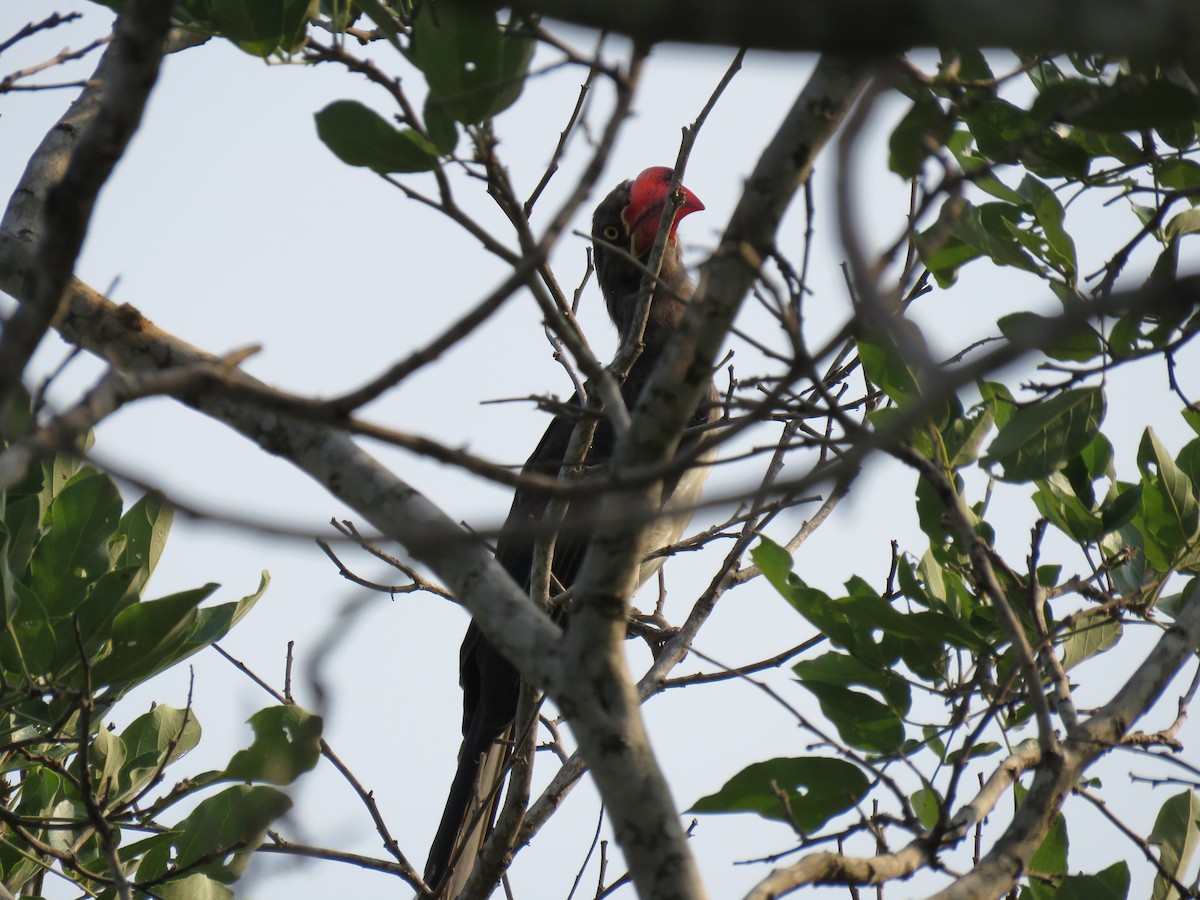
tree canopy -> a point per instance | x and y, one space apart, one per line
951 541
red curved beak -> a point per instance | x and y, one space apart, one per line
647 196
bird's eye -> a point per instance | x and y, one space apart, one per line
610 233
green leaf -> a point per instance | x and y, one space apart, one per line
1132 540
342 14
826 615
152 740
862 721
63 840
1110 884
816 788
153 854
943 251
1129 104
842 670
1180 135
926 659
8 584
774 561
1186 222
815 605
1169 506
1121 508
975 751
964 64
1000 225
1051 857
146 636
997 125
214 622
143 530
989 230
912 588
1049 213
32 643
441 127
979 168
193 887
1079 476
263 27
927 806
1062 99
964 435
40 791
886 358
22 523
1192 417
1007 133
1099 144
1041 437
922 129
1188 461
1047 576
871 612
474 68
107 755
359 136
96 615
1175 833
1179 174
1056 499
931 516
999 398
74 551
1090 639
1028 328
231 823
287 743
1173 605
1097 458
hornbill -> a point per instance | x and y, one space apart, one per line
624 228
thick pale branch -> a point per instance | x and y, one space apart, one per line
1056 776
110 394
613 740
329 456
837 868
62 203
1164 28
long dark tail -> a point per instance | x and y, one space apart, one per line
490 689
470 810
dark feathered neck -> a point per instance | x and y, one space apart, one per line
620 282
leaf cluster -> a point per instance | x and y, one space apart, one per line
78 634
928 674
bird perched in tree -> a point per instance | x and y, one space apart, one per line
624 228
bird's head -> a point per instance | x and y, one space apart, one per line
623 230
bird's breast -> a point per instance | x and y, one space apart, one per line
668 528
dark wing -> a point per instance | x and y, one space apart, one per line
490 683
487 678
